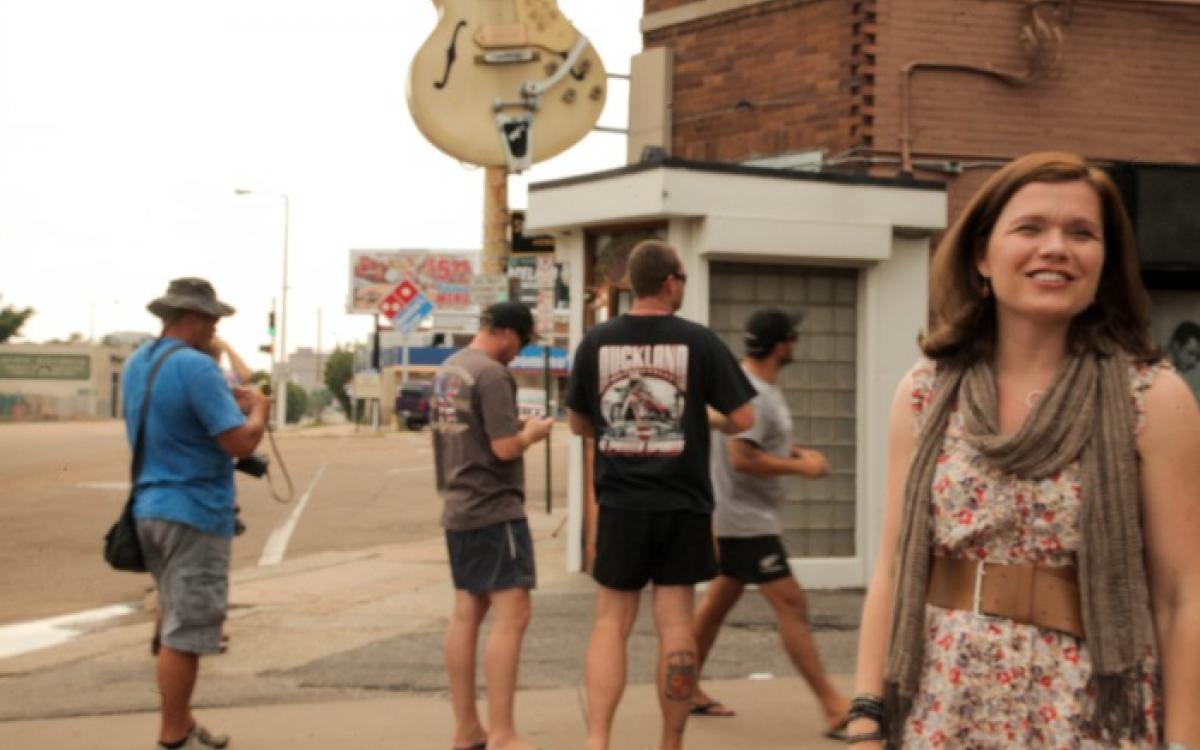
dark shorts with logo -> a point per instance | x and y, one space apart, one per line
493 558
670 548
753 559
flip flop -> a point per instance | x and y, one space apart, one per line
477 746
713 709
838 731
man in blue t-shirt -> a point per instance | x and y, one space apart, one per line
184 494
640 387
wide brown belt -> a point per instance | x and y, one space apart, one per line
1041 595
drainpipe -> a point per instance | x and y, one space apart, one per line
906 75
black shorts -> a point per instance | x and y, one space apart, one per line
753 559
493 558
671 548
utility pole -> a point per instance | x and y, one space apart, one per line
320 372
279 377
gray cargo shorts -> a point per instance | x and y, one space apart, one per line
191 570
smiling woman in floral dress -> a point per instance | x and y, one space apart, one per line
1038 565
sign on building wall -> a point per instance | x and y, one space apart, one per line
1175 326
527 243
45 366
487 290
527 284
444 278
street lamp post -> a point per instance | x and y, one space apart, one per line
281 379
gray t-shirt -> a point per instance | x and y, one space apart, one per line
473 402
748 505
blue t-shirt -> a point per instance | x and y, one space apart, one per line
186 476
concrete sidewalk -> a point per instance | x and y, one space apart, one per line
342 650
772 715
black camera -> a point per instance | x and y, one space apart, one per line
255 464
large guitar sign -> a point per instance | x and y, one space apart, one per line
505 83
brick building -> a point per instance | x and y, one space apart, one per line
945 89
809 153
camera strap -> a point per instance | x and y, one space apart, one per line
287 477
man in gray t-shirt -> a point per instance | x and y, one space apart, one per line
478 444
747 474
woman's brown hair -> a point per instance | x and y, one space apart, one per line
964 316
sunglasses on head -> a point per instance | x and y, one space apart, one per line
679 275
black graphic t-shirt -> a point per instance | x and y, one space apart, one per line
644 381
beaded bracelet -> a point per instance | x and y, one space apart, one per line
867 707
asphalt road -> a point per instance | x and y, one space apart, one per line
63 484
357 608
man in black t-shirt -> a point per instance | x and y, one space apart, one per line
639 387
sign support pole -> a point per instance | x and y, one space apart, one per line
376 358
546 370
404 359
495 220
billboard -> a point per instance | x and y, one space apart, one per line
46 366
443 277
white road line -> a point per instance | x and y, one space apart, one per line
277 543
102 485
23 637
404 470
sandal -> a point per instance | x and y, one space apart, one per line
838 731
714 709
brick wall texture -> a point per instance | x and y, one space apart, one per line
768 79
795 75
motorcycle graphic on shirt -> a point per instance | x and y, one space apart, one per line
643 393
450 400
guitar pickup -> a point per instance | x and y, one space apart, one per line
507 57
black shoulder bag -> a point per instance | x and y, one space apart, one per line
122 549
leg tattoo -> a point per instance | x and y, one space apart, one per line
681 675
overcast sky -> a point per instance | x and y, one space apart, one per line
126 125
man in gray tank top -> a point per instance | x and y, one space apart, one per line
747 475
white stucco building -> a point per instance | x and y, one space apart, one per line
851 252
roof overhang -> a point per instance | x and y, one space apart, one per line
744 207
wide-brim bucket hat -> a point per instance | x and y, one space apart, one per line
192 294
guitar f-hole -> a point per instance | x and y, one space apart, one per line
451 56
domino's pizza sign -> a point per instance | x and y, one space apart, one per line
406 306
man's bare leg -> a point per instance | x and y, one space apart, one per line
678 662
462 635
615 613
791 611
176 672
722 594
511 610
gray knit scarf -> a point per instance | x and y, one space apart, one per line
1086 414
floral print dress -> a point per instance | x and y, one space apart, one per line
989 682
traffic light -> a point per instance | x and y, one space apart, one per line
271 324
267 348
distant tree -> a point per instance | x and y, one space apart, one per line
318 399
11 320
339 369
297 402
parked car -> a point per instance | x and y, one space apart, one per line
412 404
